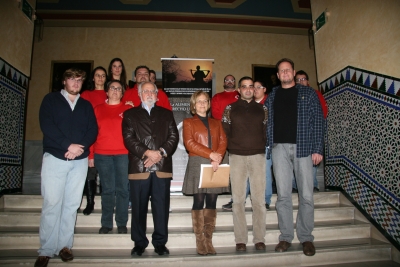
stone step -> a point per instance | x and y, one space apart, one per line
177 219
177 201
327 253
84 238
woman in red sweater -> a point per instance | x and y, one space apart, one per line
95 95
110 157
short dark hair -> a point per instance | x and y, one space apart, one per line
151 71
142 67
106 88
301 72
229 75
244 78
284 60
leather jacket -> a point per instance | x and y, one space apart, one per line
142 132
195 137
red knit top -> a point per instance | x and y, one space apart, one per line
220 101
95 97
109 138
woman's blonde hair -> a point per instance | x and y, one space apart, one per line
193 99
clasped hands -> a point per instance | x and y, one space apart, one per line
74 150
153 156
216 159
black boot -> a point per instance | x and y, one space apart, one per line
90 188
90 192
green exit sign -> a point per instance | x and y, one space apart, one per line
320 21
27 9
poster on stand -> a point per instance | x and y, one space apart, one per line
181 77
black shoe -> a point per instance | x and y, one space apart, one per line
42 261
137 250
266 206
66 254
104 230
294 190
161 250
122 230
316 190
227 206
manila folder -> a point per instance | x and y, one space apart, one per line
211 179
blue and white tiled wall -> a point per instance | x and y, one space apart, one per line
13 92
363 144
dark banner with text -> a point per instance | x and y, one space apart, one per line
182 77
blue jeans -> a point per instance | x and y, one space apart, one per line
61 184
285 162
268 187
315 167
113 170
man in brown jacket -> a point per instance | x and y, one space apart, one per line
151 137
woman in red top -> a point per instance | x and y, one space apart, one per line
95 95
110 157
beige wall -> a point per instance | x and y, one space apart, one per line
360 33
234 52
17 35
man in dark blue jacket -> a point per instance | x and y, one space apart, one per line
69 128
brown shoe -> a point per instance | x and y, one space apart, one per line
282 246
240 247
260 246
308 248
66 254
42 261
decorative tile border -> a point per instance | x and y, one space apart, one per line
363 145
376 81
13 92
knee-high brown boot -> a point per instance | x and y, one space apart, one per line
210 217
198 226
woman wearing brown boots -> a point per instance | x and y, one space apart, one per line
205 140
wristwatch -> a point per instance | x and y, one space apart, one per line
162 152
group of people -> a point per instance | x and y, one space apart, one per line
128 135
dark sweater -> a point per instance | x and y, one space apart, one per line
62 126
245 126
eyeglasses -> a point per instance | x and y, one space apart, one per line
229 81
73 80
285 70
247 87
259 87
301 79
152 92
117 89
201 101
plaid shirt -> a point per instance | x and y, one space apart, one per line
310 122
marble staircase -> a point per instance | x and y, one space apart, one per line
342 236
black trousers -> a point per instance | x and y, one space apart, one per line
159 191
